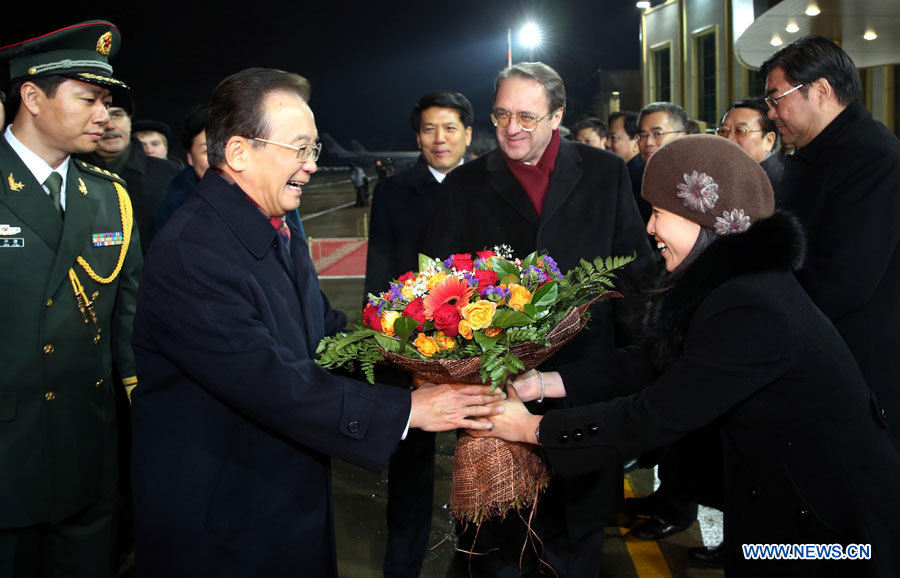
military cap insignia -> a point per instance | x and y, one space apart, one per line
14 184
81 187
104 43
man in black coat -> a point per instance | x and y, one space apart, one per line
442 122
235 425
842 183
537 191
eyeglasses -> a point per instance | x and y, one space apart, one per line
304 152
655 133
738 132
772 101
527 121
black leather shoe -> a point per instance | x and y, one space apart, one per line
709 557
630 465
657 529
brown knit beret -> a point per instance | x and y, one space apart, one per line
709 180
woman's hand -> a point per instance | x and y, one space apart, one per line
514 424
536 385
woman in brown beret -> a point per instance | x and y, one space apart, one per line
732 341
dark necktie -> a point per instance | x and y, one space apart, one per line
54 184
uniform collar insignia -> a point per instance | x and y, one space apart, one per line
14 184
81 187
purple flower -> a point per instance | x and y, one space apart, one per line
395 291
495 294
734 222
699 192
448 261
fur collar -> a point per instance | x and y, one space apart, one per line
773 244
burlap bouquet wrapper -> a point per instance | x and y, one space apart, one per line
490 475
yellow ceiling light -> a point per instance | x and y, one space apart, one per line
812 10
776 40
870 35
792 28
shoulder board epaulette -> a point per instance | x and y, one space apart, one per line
97 171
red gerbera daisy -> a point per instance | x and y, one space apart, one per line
452 290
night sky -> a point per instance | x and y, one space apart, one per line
368 62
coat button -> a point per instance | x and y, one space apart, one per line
49 302
353 426
99 383
804 511
96 339
790 443
883 414
49 396
577 435
563 436
753 494
593 429
48 349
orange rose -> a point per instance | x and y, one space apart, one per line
493 331
465 329
387 322
479 314
520 296
444 341
427 346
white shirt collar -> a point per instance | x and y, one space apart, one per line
38 166
438 175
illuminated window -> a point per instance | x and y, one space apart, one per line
707 82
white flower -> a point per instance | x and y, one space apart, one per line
734 222
699 192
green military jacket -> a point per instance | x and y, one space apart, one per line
57 410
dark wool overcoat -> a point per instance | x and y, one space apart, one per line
736 343
234 423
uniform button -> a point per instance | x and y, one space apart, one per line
48 349
96 339
804 511
49 302
49 396
563 436
99 383
753 494
577 435
353 426
94 295
593 429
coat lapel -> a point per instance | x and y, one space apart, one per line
81 210
566 175
28 200
505 185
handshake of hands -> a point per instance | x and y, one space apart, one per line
482 412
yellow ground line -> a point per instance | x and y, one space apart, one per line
646 556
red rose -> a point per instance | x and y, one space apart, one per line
446 319
371 318
485 254
486 279
416 310
462 262
408 276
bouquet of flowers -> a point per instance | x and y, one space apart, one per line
477 319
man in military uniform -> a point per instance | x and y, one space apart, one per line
69 261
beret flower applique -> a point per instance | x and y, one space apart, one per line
699 192
732 222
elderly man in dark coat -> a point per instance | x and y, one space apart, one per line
235 422
843 183
538 191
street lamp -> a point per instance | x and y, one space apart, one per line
530 36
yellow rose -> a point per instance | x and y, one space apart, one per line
445 342
437 278
519 298
427 346
387 322
479 314
407 292
465 329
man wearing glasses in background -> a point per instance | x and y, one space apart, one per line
746 122
659 123
235 423
843 184
537 191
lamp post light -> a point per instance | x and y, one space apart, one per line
530 36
